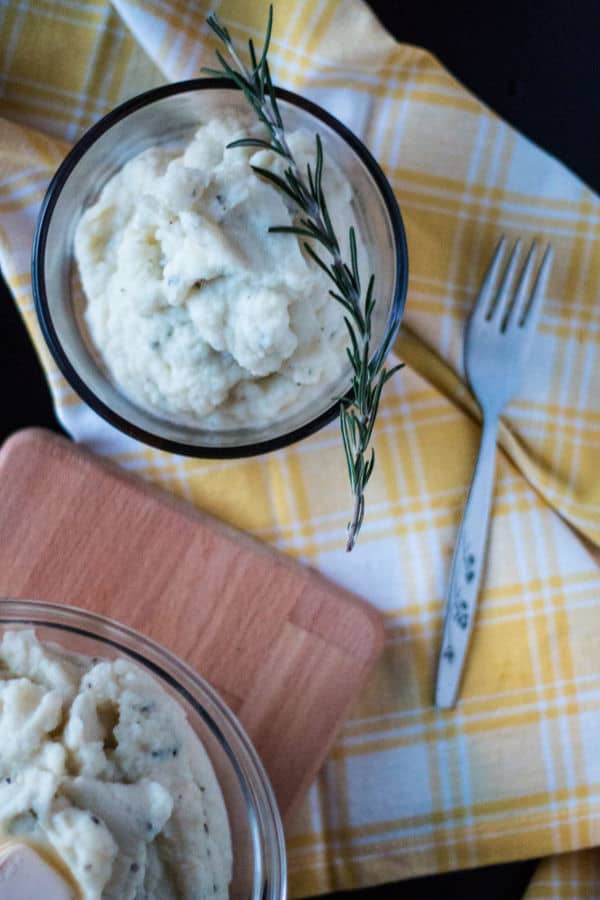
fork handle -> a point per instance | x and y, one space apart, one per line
467 566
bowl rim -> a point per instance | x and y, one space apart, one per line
42 308
154 657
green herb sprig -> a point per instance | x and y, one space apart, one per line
369 375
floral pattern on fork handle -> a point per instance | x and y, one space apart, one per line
460 607
467 568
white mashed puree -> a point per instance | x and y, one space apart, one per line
199 313
99 765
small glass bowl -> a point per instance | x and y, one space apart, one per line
173 113
259 862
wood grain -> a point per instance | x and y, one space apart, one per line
286 649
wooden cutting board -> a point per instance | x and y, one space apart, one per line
285 648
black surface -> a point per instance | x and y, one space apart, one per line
537 64
25 395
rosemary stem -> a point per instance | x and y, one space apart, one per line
239 62
358 412
354 524
278 132
280 136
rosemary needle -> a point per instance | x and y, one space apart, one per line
369 375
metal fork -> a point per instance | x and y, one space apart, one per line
498 341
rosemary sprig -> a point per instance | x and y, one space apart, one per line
369 375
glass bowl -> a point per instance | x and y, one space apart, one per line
259 867
173 113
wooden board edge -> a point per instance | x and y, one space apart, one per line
372 640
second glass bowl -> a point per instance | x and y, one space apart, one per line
259 863
169 113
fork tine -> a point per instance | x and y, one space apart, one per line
516 312
532 310
482 303
502 299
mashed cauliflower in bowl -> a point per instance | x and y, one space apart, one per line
199 314
120 766
165 301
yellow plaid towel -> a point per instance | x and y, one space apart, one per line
573 876
515 770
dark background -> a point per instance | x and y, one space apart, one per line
538 65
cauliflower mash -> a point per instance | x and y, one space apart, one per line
99 766
198 313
